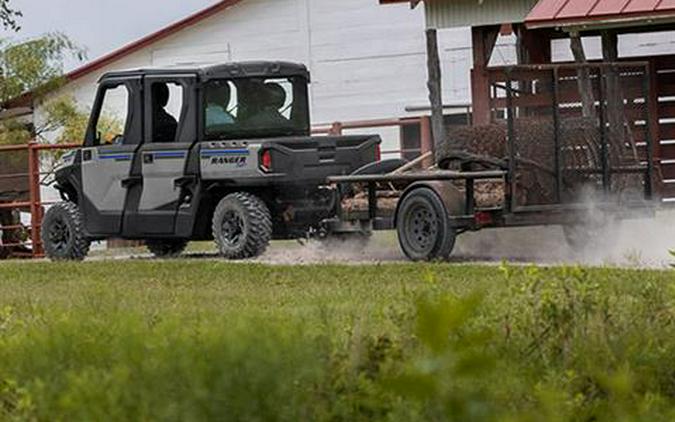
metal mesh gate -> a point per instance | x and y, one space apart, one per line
575 132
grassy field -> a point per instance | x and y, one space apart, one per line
206 340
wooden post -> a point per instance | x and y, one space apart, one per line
335 129
615 117
435 87
483 40
35 199
533 46
584 76
426 140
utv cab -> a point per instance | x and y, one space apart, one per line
222 152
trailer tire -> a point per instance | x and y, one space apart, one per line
242 226
166 248
63 233
424 230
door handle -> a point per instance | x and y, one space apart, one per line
131 181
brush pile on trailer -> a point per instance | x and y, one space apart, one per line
486 147
565 132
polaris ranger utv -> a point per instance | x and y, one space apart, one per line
222 153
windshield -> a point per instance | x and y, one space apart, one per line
255 107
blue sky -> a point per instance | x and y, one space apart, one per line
100 25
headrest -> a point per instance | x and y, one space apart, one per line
276 94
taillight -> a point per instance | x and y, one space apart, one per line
378 152
266 161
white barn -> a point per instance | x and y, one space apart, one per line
368 61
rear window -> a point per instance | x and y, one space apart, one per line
255 107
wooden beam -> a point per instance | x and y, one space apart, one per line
435 87
584 78
533 46
483 39
618 125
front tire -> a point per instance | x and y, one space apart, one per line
242 226
166 248
63 234
423 226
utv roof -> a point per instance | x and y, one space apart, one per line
227 70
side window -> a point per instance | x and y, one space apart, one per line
112 120
222 105
167 110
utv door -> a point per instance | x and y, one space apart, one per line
170 132
113 136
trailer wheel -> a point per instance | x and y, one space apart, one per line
423 226
63 234
242 226
171 248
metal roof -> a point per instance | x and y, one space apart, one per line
226 70
600 13
462 13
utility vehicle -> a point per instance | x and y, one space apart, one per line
222 152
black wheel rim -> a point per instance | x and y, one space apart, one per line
232 228
421 228
59 235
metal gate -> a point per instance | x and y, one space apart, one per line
575 133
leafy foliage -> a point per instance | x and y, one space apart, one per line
35 65
9 16
202 340
70 122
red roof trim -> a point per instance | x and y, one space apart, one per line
549 13
150 39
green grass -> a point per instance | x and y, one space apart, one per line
207 340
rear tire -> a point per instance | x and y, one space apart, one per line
242 226
423 226
166 248
63 234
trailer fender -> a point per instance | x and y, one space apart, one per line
450 196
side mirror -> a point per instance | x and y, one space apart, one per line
98 138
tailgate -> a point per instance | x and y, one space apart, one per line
313 159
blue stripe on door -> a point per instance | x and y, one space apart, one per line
116 157
169 154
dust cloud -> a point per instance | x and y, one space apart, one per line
638 243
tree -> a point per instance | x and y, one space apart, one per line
70 122
9 16
34 66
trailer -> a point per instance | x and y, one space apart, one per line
569 145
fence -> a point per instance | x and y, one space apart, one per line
426 139
34 204
571 129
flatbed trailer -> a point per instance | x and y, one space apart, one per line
432 212
586 171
